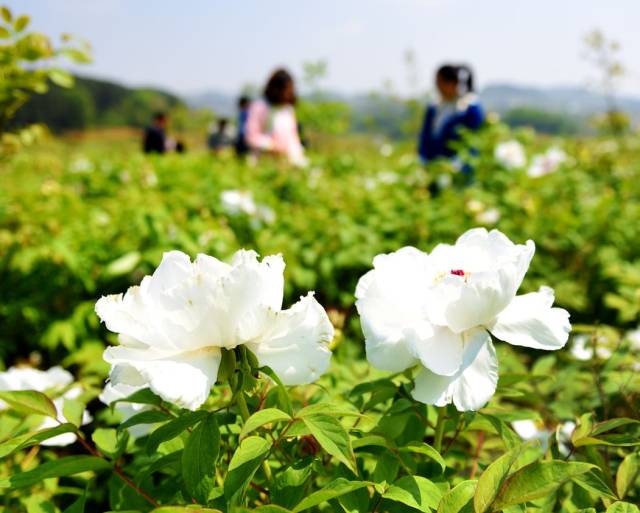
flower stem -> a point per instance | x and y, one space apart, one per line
439 434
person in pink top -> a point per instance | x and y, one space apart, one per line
271 125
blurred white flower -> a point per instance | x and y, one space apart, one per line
510 154
443 180
530 430
634 338
386 150
582 348
241 202
437 310
81 165
475 206
173 326
489 216
56 382
387 177
546 163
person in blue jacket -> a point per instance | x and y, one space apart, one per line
458 108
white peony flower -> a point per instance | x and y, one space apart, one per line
173 326
52 381
547 162
510 154
438 310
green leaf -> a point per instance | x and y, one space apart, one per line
184 509
109 441
459 499
492 479
336 488
56 468
593 482
145 417
588 433
60 77
173 428
509 437
262 417
6 14
622 507
73 411
537 480
628 473
144 396
199 458
283 395
78 505
30 401
332 437
243 466
21 23
427 450
415 492
4 33
29 439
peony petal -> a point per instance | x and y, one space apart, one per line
530 321
183 379
438 349
391 300
472 387
296 344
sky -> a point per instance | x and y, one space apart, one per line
194 46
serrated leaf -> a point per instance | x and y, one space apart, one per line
262 417
458 499
145 417
173 428
199 459
492 479
336 488
244 463
427 450
332 437
416 492
56 468
537 480
628 473
30 401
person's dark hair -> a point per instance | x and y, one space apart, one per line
460 74
222 122
159 116
243 102
277 85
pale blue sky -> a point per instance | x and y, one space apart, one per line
196 45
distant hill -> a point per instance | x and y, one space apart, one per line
95 103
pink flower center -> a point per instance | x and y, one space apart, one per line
457 272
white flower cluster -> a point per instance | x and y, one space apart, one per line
511 155
439 310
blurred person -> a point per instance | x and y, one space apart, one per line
218 139
271 125
241 146
457 109
155 137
